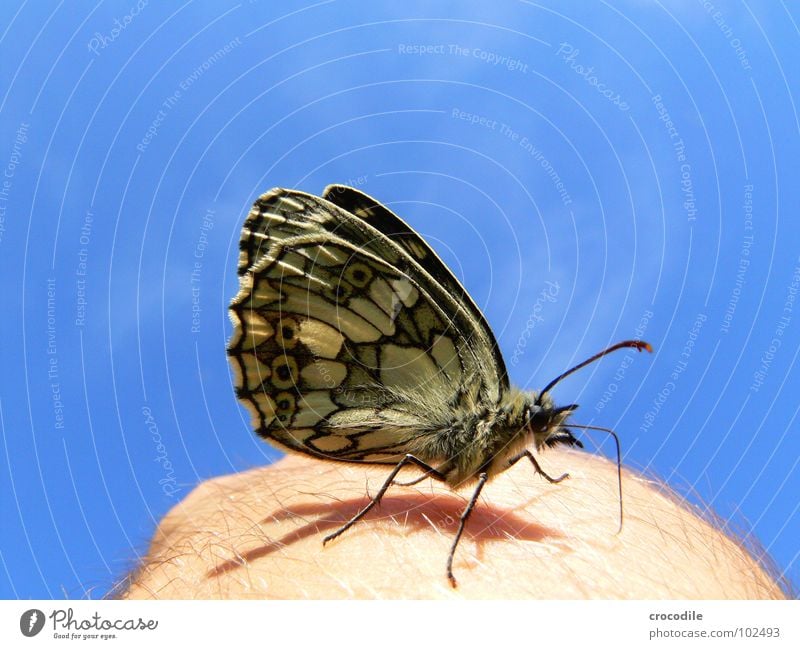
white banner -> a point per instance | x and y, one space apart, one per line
406 624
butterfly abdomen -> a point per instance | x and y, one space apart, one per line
471 442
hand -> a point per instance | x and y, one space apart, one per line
258 534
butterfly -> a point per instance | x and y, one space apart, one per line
354 342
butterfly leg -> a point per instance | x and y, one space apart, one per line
411 483
482 478
536 466
430 472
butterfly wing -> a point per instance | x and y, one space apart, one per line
382 218
345 346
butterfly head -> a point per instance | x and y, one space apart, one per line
545 423
529 420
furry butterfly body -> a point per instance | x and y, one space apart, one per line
353 342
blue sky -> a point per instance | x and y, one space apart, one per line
591 171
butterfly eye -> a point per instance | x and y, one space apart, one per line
358 274
284 371
540 421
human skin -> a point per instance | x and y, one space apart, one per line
258 534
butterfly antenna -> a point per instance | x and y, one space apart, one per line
638 345
619 461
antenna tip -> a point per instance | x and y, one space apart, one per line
643 345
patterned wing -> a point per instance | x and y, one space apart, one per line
381 218
344 345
